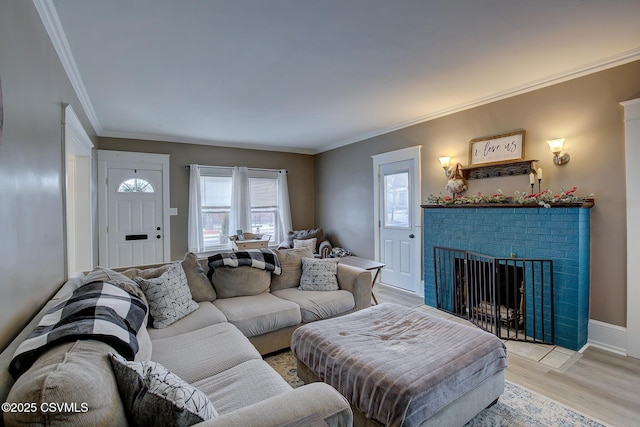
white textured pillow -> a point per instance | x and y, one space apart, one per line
319 274
168 296
306 243
154 396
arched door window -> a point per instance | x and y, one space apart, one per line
135 185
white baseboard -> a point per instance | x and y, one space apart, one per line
608 337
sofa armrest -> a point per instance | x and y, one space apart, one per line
319 398
358 282
324 249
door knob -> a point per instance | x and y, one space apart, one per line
158 228
411 236
157 236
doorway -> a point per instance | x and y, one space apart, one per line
133 208
632 147
79 219
398 219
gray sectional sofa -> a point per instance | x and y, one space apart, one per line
217 348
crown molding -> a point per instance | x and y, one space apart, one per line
230 144
604 64
51 21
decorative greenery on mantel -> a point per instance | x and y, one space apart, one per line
545 199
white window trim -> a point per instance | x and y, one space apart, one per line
227 171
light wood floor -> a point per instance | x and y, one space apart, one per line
600 384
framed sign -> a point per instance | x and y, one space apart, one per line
497 149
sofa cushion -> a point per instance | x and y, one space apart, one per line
240 281
208 351
144 344
207 314
319 274
154 396
74 373
199 284
102 274
305 243
291 263
243 385
259 314
168 296
318 305
145 273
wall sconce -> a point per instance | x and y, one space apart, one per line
559 158
444 162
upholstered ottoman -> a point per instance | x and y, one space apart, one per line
402 367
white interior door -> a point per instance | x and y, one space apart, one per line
399 236
135 217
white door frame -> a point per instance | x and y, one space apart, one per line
78 195
632 153
130 160
410 153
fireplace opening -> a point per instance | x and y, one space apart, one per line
509 297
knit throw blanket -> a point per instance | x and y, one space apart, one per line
96 311
264 259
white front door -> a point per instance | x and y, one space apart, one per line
133 208
135 231
397 233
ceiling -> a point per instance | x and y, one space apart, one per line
308 76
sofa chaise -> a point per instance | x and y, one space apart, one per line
215 350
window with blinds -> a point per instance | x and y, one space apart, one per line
264 205
216 187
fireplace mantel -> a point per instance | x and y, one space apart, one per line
587 204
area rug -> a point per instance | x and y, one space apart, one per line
517 407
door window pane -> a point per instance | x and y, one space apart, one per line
396 200
135 185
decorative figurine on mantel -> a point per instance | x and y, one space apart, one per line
456 184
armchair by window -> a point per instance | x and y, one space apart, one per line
321 248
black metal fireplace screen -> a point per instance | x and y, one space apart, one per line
510 297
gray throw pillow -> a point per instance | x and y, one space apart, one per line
319 274
168 296
154 396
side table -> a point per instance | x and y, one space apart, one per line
365 264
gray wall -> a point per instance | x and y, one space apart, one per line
34 87
585 111
299 166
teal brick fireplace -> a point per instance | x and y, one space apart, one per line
561 234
